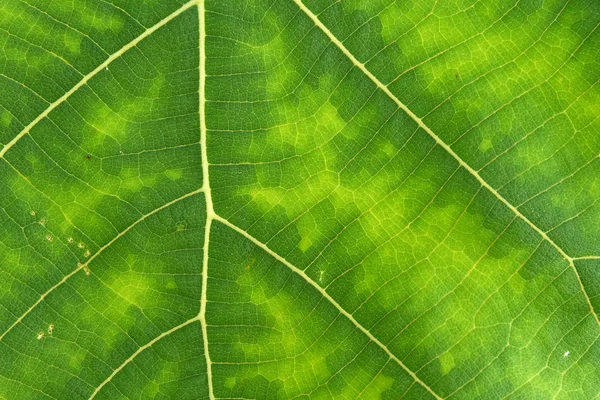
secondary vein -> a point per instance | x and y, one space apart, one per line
89 76
326 295
446 147
96 254
138 351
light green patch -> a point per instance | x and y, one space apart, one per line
329 121
133 287
392 21
149 180
35 161
107 122
586 108
485 145
319 128
279 309
130 179
446 363
174 174
376 188
11 259
267 198
76 359
304 244
375 390
157 84
72 42
152 389
132 184
102 22
273 51
92 198
279 83
138 108
171 284
309 192
518 285
308 232
389 149
6 118
230 382
40 60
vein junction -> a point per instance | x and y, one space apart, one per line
212 216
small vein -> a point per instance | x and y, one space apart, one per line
586 258
89 76
96 254
446 147
326 295
138 351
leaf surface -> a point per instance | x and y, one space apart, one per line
299 199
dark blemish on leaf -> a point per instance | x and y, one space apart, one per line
88 156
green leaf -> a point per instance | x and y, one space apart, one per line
299 199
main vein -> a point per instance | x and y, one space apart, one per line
207 194
445 146
89 76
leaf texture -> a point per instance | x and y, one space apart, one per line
286 199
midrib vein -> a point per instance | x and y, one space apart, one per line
207 193
446 147
326 295
89 76
96 254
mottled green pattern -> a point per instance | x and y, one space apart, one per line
280 199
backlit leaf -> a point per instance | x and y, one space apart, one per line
285 199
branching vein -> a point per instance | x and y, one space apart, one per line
326 295
93 256
445 146
89 76
138 351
